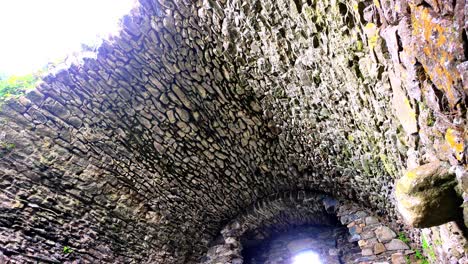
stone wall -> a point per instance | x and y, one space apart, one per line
145 150
276 229
378 242
385 242
269 217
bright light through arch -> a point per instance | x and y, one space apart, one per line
36 32
307 257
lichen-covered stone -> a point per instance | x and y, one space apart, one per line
426 195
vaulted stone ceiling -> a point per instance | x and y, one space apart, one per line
198 109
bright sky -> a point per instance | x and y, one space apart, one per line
35 32
307 257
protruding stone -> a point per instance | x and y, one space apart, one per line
362 243
75 121
426 195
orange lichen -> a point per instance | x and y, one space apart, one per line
436 45
441 41
427 50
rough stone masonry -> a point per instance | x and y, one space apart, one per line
144 151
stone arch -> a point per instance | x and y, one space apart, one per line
281 225
266 218
310 208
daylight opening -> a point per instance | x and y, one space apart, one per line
35 33
307 257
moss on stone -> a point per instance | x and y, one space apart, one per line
388 165
5 148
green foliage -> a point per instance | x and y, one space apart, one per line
359 45
425 245
16 85
430 121
419 255
5 148
428 248
402 237
408 260
67 250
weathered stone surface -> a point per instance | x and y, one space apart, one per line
402 107
437 43
398 258
426 195
396 244
371 220
379 248
367 252
260 244
384 233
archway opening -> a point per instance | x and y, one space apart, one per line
311 244
307 257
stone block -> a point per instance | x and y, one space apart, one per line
384 233
396 244
426 196
379 248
